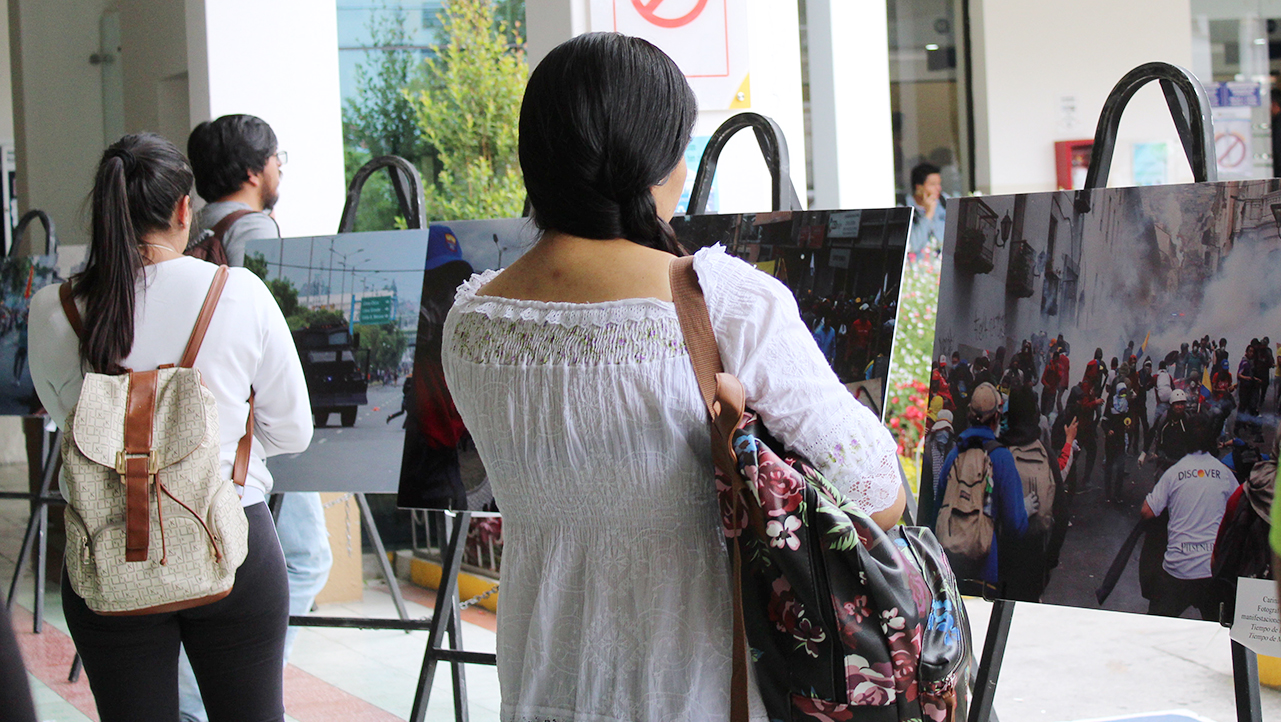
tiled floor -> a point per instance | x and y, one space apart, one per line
1061 663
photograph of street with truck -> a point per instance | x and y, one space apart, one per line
1103 395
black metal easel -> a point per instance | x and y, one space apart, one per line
774 149
1190 110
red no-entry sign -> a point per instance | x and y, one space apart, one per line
649 11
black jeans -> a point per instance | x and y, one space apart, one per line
236 645
1174 595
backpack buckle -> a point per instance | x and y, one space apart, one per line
153 462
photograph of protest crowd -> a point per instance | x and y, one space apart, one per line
1104 395
845 269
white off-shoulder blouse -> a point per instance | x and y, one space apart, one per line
615 601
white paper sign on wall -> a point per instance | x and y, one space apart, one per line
706 38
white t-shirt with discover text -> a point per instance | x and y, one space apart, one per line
1196 492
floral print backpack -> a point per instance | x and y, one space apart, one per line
842 620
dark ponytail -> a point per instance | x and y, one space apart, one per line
140 181
605 118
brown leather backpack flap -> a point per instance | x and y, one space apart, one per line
137 463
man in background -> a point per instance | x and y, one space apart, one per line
237 163
238 171
930 215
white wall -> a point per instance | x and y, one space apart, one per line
1028 56
277 60
155 69
57 107
850 104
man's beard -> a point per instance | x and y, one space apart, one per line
269 198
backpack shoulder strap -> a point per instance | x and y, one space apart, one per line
202 321
222 226
69 308
992 445
696 327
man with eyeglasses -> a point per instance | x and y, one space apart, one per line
237 163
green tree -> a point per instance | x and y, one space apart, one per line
309 317
467 110
257 263
386 344
281 288
380 120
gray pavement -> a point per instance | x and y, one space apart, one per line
364 457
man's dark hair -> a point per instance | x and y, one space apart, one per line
921 172
224 151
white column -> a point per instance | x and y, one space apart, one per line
849 73
549 23
278 60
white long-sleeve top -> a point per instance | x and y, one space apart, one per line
248 344
616 597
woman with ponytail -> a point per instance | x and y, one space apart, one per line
570 370
139 297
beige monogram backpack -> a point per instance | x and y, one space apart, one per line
151 524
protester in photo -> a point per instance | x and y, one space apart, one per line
570 371
939 442
1116 420
1023 569
237 165
1195 490
1144 383
1005 502
1050 382
1173 435
139 298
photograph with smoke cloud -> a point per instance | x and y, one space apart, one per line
1104 394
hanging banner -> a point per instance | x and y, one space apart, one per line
706 38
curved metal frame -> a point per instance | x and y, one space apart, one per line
1189 107
773 147
50 233
406 182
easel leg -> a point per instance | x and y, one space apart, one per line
376 539
37 528
1245 681
456 642
41 559
443 617
998 633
